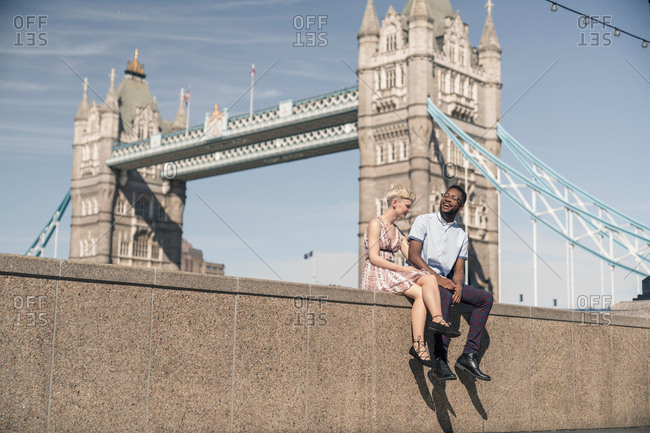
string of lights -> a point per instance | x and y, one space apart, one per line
586 18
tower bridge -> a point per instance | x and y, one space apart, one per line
421 85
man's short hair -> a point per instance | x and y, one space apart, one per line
463 194
400 191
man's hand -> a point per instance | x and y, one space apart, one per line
446 283
457 294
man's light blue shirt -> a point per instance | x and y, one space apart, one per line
442 242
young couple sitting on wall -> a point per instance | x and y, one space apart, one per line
436 247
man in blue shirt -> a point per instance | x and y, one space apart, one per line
439 245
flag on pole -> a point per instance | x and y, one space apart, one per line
253 69
309 254
187 98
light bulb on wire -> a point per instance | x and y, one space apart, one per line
587 20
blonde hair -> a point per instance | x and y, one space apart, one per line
400 191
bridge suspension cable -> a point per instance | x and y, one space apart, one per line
52 226
601 230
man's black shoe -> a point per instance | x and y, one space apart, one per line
469 363
442 371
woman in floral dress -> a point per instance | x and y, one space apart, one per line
380 272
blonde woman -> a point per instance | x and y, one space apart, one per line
380 272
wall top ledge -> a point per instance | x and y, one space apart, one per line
38 267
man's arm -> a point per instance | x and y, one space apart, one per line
459 279
415 248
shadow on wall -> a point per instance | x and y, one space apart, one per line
437 399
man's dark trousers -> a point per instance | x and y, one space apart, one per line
482 302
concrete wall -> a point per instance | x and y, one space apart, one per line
87 347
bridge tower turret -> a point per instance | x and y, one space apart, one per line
132 217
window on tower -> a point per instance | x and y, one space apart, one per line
121 207
140 243
155 250
142 207
380 154
162 215
124 247
390 78
391 42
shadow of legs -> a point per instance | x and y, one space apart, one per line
418 374
441 403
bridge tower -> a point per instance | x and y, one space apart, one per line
123 217
424 52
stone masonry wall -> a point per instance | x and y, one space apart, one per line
89 347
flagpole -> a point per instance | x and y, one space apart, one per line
313 268
250 111
189 102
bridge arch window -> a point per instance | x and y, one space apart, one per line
461 56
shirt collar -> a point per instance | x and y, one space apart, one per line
442 220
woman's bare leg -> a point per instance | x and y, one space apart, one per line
418 317
431 297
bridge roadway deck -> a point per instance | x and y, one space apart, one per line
343 110
267 153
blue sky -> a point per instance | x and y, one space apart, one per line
587 118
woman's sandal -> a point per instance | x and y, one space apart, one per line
443 329
421 350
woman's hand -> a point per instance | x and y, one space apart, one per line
410 269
